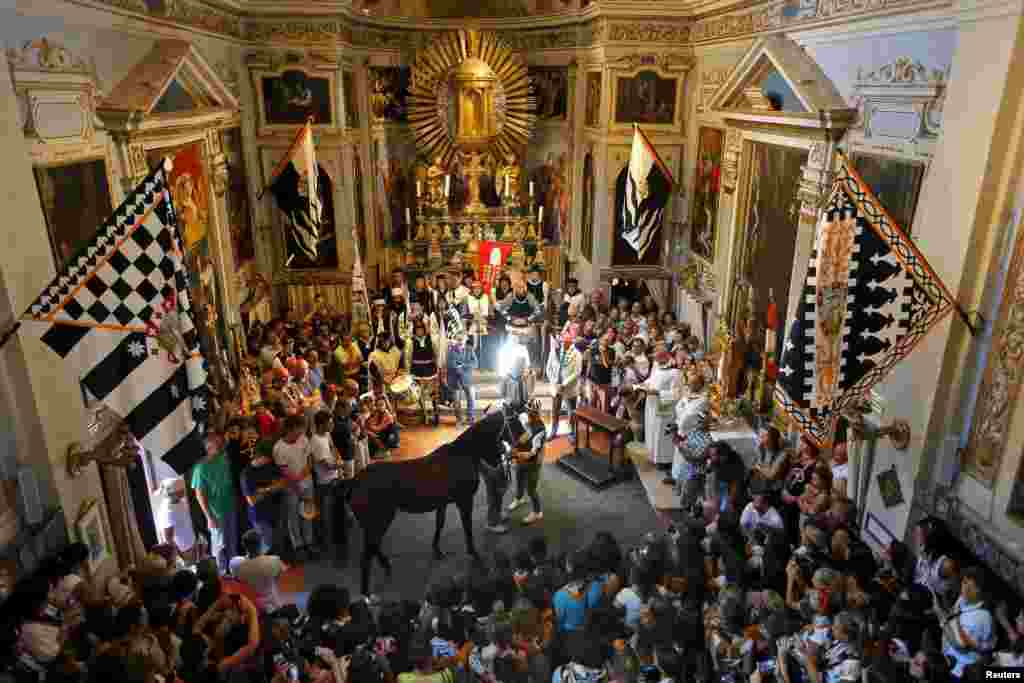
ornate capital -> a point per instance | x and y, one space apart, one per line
710 81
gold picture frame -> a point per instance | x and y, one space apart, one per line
90 530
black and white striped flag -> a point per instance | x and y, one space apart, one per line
119 314
641 193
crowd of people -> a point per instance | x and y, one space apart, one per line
763 577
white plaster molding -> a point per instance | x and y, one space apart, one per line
970 11
902 86
938 18
710 81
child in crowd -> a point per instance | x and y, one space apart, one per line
381 430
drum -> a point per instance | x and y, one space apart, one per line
406 393
401 388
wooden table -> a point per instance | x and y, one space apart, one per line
583 461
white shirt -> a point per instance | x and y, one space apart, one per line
662 380
691 412
751 519
261 574
323 458
292 458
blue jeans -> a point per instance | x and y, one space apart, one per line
224 539
300 530
266 532
463 388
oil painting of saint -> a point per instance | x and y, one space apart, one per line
705 193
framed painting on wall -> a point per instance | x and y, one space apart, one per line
587 237
348 88
593 104
551 89
646 98
706 184
76 200
90 531
357 183
770 227
293 96
389 93
896 182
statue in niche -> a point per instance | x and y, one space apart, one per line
435 175
507 178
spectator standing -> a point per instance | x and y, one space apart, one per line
292 454
215 491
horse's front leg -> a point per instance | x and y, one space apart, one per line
466 515
442 512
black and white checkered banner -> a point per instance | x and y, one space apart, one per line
119 313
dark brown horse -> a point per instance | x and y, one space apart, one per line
451 474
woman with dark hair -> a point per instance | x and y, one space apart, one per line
801 467
771 458
935 568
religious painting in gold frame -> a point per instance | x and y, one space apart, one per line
646 98
76 201
895 181
770 225
348 87
706 188
589 196
593 100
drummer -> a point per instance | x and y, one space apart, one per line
522 312
387 365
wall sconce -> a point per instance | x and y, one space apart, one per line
119 449
898 432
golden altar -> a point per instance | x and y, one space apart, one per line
471 113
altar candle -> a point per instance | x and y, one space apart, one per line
408 216
531 188
447 185
540 216
506 184
418 187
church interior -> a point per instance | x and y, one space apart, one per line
330 162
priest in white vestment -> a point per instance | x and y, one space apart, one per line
661 397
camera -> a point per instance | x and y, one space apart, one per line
671 429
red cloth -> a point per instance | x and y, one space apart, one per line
488 273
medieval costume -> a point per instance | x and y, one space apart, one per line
424 369
478 309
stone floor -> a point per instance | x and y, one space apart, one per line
573 514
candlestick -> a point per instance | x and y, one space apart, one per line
418 188
540 216
531 189
408 216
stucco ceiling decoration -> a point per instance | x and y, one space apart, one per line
428 91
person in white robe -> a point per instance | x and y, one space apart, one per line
661 397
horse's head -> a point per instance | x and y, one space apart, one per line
494 435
